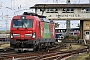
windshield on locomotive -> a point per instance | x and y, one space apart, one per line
23 23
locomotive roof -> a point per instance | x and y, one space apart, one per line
33 14
42 18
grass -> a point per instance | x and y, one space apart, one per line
74 46
77 57
4 45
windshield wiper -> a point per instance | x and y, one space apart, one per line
24 25
17 28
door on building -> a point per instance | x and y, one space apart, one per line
87 35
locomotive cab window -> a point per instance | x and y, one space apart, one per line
22 23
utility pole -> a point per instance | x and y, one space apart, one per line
67 21
56 1
6 21
53 1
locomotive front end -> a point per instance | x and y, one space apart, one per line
22 33
31 32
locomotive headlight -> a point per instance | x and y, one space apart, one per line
33 35
11 35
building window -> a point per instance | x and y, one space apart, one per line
51 10
67 10
39 10
87 24
85 10
87 33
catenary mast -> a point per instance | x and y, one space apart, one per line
68 21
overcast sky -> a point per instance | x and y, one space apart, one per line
13 7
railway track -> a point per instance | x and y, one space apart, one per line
42 55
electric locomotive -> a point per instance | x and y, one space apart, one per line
31 31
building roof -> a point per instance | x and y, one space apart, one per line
59 5
77 28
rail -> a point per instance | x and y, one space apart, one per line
42 56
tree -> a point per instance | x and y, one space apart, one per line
56 25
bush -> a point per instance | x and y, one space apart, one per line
68 37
